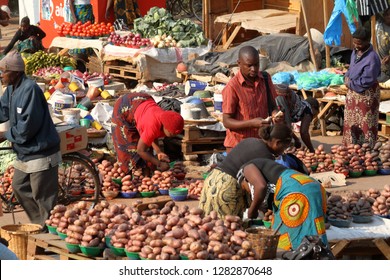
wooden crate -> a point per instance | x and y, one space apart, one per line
47 246
193 133
123 72
95 64
385 128
201 147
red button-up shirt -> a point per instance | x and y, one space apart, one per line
244 100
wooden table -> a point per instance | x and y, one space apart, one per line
361 247
327 108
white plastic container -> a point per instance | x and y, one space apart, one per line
218 102
71 116
61 101
96 82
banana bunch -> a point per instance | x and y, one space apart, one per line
41 59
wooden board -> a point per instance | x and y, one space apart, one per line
202 148
123 72
47 246
193 133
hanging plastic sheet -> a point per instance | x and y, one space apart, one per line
333 30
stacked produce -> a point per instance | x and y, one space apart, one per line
308 158
52 72
41 59
178 170
338 208
127 185
360 205
341 159
130 40
159 22
163 180
6 181
80 179
384 155
55 216
194 187
324 160
137 177
381 206
147 185
67 219
85 30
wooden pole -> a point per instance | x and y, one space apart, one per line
327 48
313 58
373 34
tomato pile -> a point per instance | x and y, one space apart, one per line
86 30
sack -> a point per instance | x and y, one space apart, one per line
311 248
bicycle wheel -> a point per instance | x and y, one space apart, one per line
196 9
78 179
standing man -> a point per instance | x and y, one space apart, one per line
34 140
248 99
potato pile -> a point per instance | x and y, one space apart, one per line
81 179
360 205
324 160
163 180
381 206
178 170
341 159
194 187
109 184
137 177
338 208
308 158
67 219
384 155
127 185
55 215
93 235
371 160
6 180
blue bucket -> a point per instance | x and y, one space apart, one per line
192 86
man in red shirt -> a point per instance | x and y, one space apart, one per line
245 104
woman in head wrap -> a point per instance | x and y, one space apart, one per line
361 111
221 192
137 123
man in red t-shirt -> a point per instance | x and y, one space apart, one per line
245 104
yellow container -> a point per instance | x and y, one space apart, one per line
47 95
105 94
96 125
73 86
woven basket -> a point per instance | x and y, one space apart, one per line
264 242
17 237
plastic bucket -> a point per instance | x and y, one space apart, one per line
71 116
191 86
195 113
218 102
185 110
95 82
17 237
61 101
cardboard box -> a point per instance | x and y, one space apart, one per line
72 138
330 179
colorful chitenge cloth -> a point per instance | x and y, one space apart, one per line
124 131
83 13
300 204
